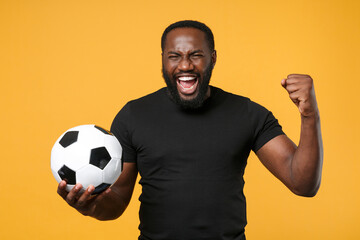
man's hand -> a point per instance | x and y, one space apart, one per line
108 205
84 202
301 91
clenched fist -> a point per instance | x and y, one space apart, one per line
301 91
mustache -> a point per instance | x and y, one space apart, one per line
186 72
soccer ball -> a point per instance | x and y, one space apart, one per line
87 154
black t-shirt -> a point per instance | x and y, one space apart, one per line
192 163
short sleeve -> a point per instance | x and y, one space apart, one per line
265 125
120 127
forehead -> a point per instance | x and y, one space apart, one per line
182 39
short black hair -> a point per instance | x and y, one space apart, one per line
190 24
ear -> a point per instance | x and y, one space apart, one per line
213 58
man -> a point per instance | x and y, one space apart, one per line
190 143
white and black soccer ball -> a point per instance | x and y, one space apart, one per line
87 154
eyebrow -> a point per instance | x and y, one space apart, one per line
171 52
196 51
193 52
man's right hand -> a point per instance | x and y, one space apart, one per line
107 205
83 202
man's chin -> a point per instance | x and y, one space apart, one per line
192 101
188 97
185 100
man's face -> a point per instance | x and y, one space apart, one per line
187 66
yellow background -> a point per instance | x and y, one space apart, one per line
67 63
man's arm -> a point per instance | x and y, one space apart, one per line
108 205
298 167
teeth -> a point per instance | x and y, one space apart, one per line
187 78
187 88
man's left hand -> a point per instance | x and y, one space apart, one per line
301 91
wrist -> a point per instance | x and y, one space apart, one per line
315 115
311 119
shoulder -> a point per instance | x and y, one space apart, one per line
220 93
149 99
237 101
141 105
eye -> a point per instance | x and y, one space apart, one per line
197 55
173 57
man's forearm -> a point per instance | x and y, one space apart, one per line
306 165
108 208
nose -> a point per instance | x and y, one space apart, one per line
185 65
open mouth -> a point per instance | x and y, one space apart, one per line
187 85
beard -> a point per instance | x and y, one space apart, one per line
198 100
